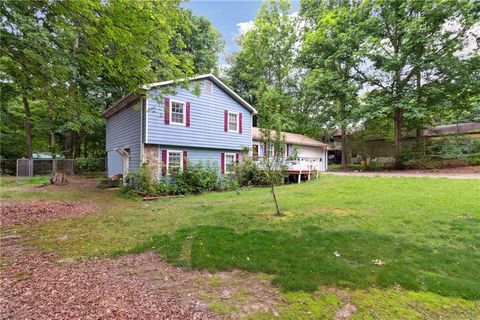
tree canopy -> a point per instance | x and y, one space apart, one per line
77 57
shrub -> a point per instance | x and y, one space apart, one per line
196 178
249 174
454 148
474 160
87 165
140 182
108 183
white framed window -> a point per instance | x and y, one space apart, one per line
178 112
230 162
174 161
208 87
233 124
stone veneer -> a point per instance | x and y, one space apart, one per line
150 157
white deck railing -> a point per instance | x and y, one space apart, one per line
300 165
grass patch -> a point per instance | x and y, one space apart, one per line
427 231
37 180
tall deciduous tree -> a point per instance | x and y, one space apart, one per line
262 71
329 56
407 44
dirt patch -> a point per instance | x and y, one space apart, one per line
21 212
345 312
347 309
73 182
468 169
231 294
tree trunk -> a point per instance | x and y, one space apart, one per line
277 213
419 140
27 126
343 133
78 145
53 150
419 131
58 179
84 147
398 117
68 144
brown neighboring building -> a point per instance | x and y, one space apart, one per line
382 150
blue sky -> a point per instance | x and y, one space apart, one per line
226 15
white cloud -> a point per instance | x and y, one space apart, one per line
244 27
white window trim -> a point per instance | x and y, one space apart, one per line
238 121
205 87
225 162
168 160
184 124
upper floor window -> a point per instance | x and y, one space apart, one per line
177 112
232 121
208 87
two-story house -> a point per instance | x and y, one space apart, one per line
202 120
168 131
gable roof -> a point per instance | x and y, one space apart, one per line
127 99
293 138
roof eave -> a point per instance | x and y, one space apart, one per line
120 104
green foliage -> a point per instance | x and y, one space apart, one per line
262 72
108 183
75 58
455 148
87 165
329 56
140 182
249 174
197 178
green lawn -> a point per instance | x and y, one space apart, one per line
425 230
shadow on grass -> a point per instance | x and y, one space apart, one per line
306 260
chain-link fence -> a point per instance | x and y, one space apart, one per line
27 168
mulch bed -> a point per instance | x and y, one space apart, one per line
21 212
39 286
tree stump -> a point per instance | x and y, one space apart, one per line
58 179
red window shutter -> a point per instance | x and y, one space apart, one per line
185 160
167 111
188 115
237 157
225 121
265 150
222 163
164 162
240 122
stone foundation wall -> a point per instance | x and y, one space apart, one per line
150 157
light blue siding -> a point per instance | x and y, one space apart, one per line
123 131
114 163
206 121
